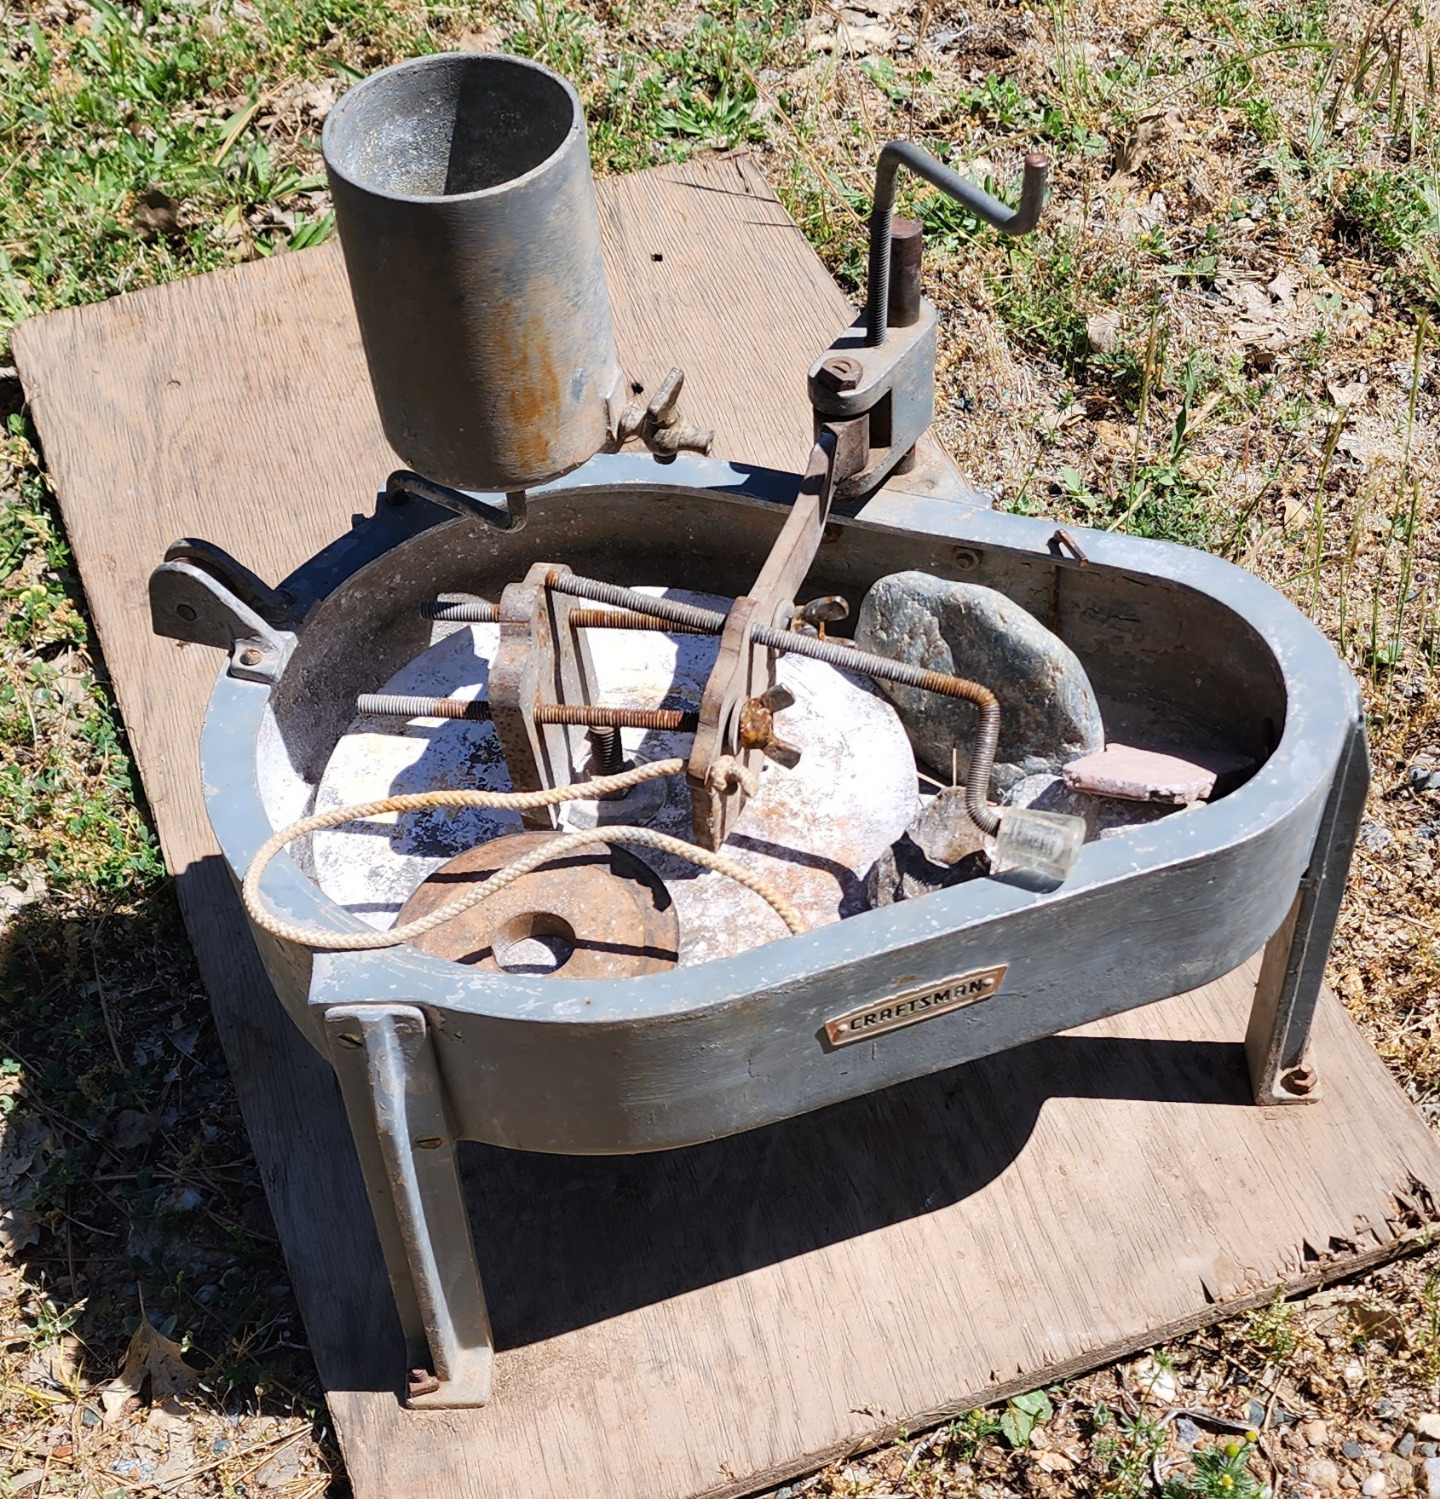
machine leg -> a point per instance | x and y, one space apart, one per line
385 1062
1293 967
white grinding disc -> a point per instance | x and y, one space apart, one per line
812 832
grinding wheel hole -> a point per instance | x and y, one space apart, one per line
534 942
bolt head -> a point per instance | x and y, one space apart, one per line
1300 1080
840 372
965 558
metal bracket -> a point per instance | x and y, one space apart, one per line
201 594
394 1098
542 659
744 669
892 387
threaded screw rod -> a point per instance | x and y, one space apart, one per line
672 720
987 732
581 715
701 621
627 619
471 612
394 705
607 754
481 613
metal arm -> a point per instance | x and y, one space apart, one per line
1019 220
405 481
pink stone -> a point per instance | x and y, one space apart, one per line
1137 775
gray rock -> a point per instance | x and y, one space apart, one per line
1049 713
940 848
1432 1477
1187 1433
1423 776
1406 1445
1352 1449
942 829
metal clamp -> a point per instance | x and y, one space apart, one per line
658 424
875 385
201 594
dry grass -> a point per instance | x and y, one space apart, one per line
1220 337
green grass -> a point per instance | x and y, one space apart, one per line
171 102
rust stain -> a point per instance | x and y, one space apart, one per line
532 414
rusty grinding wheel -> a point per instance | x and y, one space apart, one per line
596 913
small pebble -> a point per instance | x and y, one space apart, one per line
1428 1426
1432 1478
1427 1450
1323 1474
1187 1433
1373 1485
1255 1413
1406 1445
1352 1449
1317 1433
1353 1373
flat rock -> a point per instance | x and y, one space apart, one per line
1049 713
1140 775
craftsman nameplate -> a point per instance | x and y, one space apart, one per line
913 1005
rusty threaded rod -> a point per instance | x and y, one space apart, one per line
627 619
607 754
702 621
478 612
582 715
987 731
676 720
470 612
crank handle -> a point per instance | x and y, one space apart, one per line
1010 221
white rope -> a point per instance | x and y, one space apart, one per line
332 941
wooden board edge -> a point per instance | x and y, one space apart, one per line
1411 1241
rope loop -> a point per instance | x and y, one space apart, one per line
326 940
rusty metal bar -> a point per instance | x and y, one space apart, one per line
987 731
583 715
701 621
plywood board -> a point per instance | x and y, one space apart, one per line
707 1321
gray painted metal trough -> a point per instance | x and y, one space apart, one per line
430 1051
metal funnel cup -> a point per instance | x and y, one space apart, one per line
466 210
